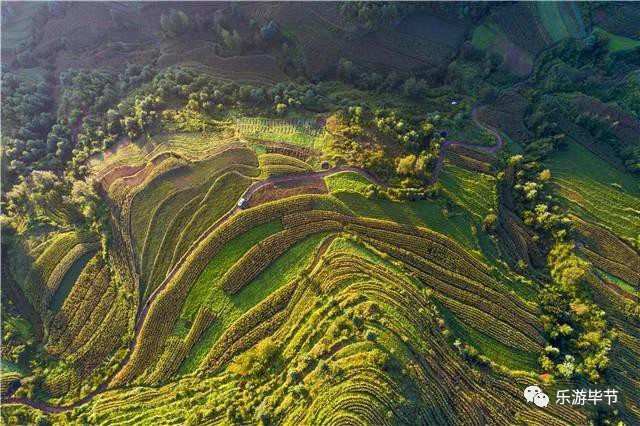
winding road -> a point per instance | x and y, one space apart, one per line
142 316
481 148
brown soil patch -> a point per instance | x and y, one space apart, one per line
118 173
287 189
289 150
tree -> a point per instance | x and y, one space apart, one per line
233 40
490 222
270 32
414 89
174 24
281 108
346 69
406 165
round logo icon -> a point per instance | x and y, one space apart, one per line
530 392
541 400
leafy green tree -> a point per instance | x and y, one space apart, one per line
175 23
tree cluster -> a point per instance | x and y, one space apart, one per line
534 201
579 337
408 86
27 118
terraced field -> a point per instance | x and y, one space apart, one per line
138 153
347 288
176 207
472 190
420 234
602 194
302 132
51 261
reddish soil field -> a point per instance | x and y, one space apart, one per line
118 173
287 189
290 150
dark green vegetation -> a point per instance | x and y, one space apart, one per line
319 213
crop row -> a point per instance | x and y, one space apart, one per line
58 273
377 285
519 22
178 348
613 267
291 220
297 132
516 242
609 299
49 260
474 192
430 245
191 220
608 253
626 350
280 170
83 310
279 159
107 337
262 254
7 381
474 305
443 251
192 146
288 150
58 384
469 163
256 125
507 115
220 198
166 309
614 209
313 320
253 326
195 174
162 214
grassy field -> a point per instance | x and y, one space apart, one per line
193 146
347 182
599 193
299 131
498 352
232 307
559 20
618 43
476 192
68 281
